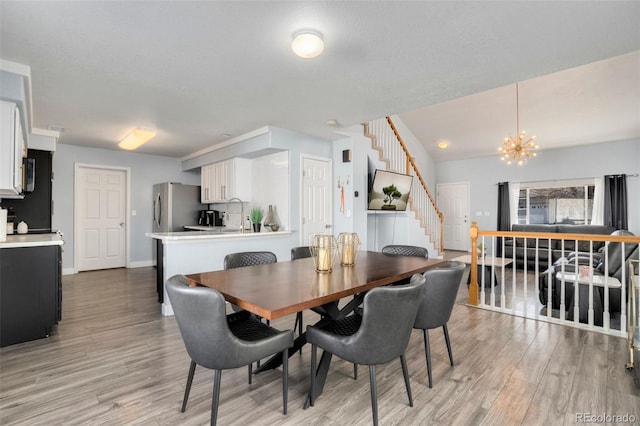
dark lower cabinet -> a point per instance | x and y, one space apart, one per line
30 293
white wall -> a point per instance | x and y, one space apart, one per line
558 164
146 170
270 185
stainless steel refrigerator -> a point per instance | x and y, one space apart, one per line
175 205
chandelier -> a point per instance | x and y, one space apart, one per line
520 148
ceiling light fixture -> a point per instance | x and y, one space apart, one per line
307 43
443 144
518 149
136 138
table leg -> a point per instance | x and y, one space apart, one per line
321 378
334 313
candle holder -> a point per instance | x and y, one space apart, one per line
324 250
349 246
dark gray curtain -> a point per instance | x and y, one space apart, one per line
615 201
504 214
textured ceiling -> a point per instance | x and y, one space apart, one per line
201 72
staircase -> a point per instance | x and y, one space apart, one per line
394 153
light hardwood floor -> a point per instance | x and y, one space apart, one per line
114 360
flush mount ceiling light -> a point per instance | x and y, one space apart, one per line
517 149
443 144
307 43
136 138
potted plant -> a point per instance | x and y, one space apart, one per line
391 193
256 215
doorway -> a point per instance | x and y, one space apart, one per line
101 200
316 198
453 200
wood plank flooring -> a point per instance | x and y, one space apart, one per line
114 360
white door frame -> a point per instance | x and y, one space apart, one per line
127 171
301 196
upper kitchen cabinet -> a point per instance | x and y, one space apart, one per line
12 150
226 180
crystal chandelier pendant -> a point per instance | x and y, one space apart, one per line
518 150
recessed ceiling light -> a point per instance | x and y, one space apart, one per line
136 138
307 43
443 144
225 135
332 122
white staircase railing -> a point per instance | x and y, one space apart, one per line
394 153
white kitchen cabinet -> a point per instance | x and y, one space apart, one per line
12 150
225 180
206 183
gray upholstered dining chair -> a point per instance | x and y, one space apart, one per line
248 258
438 298
402 250
300 252
381 334
220 342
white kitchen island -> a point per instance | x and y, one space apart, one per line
201 251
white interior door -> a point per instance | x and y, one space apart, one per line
453 200
100 207
316 199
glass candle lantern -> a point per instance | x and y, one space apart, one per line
324 251
349 246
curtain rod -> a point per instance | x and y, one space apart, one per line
560 180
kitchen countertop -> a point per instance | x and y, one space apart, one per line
210 228
212 235
32 240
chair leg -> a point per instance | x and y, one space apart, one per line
216 397
314 353
374 394
405 373
446 339
285 380
355 371
250 369
427 351
298 323
192 370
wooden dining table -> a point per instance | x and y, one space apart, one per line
284 288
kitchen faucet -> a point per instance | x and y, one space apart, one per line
241 211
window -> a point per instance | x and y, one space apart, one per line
566 204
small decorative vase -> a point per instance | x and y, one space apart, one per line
256 227
271 219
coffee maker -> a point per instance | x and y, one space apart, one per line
218 218
211 218
205 218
